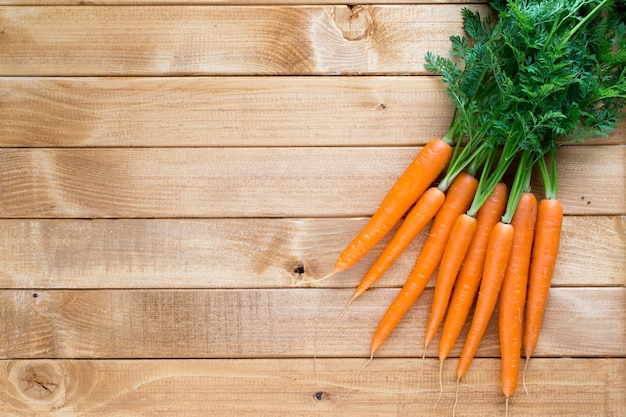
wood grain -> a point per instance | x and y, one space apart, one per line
226 253
225 111
223 40
577 181
210 2
301 387
159 184
253 182
278 323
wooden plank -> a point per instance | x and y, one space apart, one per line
248 253
208 2
237 111
591 240
300 387
277 323
226 111
223 40
253 182
591 171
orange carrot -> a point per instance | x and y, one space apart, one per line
458 199
418 176
469 276
513 292
496 260
543 260
453 255
424 210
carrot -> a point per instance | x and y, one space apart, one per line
458 199
422 212
469 276
513 292
543 260
418 176
496 260
458 243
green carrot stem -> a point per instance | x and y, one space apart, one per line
584 21
482 154
488 181
550 180
464 159
450 136
521 184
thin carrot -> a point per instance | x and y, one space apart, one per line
543 260
469 276
513 292
458 199
458 243
418 217
496 260
418 176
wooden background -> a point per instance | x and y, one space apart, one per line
165 167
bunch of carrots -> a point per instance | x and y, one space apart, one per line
542 74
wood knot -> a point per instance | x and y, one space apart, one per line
299 269
354 22
40 383
320 395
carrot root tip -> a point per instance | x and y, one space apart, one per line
524 375
365 364
440 385
419 374
313 281
456 397
343 312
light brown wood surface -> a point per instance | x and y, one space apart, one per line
213 2
222 111
226 111
224 40
247 253
164 168
254 182
271 323
302 387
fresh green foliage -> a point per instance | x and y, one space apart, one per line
544 73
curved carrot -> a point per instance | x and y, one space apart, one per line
496 260
418 176
468 279
513 292
458 199
543 260
458 243
424 210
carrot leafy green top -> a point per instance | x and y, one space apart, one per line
544 73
